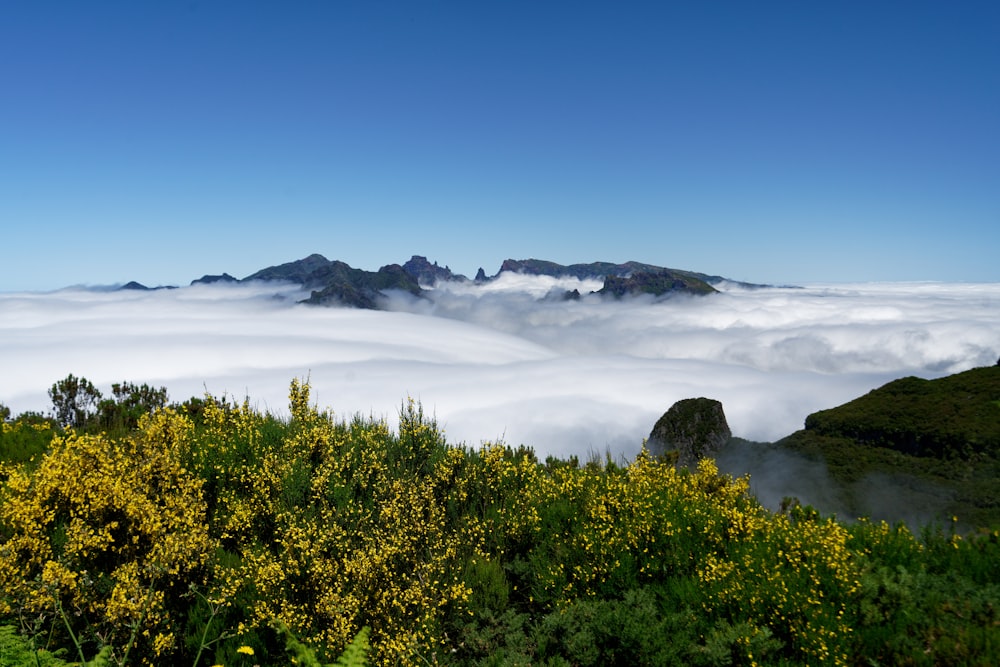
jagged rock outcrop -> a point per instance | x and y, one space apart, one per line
571 295
695 428
426 273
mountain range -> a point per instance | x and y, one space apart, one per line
332 282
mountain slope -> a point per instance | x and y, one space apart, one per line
915 450
952 417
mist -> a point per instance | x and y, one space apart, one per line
510 360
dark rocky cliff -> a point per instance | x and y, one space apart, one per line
695 428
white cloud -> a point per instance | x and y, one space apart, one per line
562 376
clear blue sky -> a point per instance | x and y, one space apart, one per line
781 142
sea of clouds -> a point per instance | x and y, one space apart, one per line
509 360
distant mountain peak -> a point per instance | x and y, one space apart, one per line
210 279
137 286
296 272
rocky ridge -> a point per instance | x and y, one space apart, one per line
332 282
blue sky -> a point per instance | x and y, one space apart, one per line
770 142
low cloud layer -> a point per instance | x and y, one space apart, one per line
510 361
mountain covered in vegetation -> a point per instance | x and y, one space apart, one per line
333 282
914 449
954 417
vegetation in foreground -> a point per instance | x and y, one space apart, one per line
211 533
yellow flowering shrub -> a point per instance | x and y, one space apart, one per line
597 529
339 526
111 532
803 592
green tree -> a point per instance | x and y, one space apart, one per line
128 403
4 413
74 400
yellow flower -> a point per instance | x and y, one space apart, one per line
245 649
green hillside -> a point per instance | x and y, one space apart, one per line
952 417
934 443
